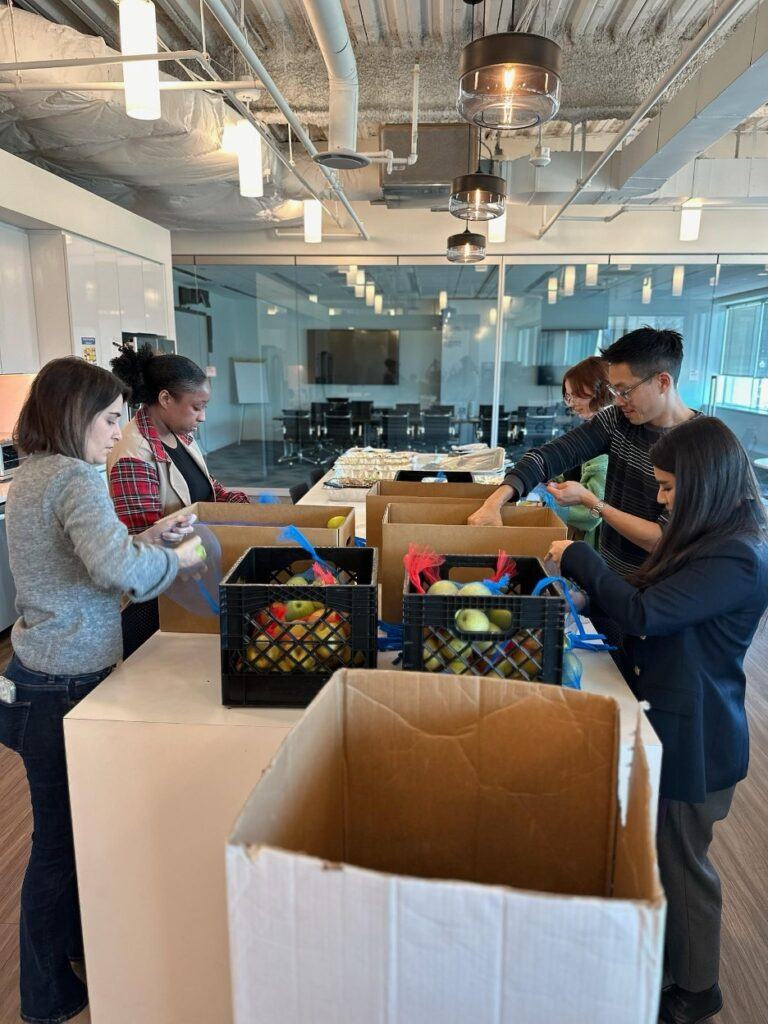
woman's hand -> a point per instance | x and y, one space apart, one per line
169 530
570 492
555 553
191 554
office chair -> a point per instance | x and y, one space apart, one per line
298 445
394 430
538 428
339 434
484 430
315 476
436 431
413 409
298 491
436 410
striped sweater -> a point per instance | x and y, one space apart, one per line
630 485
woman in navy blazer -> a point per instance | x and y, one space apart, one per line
689 615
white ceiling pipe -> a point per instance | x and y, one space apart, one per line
246 83
721 15
87 62
327 20
230 26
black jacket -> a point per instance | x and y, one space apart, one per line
686 640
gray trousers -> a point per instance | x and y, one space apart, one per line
694 901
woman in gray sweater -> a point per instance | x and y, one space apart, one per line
72 561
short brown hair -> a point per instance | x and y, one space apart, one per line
588 380
65 398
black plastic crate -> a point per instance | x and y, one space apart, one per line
530 642
268 660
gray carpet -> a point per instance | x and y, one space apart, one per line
242 465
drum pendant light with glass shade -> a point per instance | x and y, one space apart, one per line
465 247
509 80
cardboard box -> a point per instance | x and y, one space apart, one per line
442 527
426 848
394 492
239 527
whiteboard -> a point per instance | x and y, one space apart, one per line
251 382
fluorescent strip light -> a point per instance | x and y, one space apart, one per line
497 228
590 275
249 166
678 278
313 221
569 280
138 34
690 220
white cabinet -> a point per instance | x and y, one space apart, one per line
18 327
130 276
153 276
110 331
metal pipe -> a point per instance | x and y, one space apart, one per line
327 20
497 355
86 62
699 41
246 83
230 26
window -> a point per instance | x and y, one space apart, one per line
745 356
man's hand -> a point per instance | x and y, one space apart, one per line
486 515
571 493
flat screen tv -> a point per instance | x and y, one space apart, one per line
550 376
353 356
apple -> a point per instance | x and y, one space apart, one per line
501 617
296 581
298 610
472 620
475 590
443 588
457 667
335 522
432 664
481 646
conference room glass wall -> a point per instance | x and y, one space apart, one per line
425 338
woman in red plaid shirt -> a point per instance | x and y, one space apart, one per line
157 467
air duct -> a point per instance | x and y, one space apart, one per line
327 20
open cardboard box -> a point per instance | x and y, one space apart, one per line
433 849
238 527
527 530
392 492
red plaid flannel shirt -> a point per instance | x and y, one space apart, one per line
135 485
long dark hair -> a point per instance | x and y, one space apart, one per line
716 495
148 374
65 398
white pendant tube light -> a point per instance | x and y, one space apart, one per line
249 167
647 292
678 277
690 220
569 280
492 316
351 275
138 34
313 221
442 300
359 291
497 228
312 297
552 291
378 303
590 275
370 293
229 138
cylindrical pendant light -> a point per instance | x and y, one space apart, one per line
590 275
647 291
497 228
229 137
359 291
370 293
569 280
351 275
477 196
312 297
313 221
552 291
378 303
492 316
678 279
138 34
690 220
465 247
249 161
442 300
509 80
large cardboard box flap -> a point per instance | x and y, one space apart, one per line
238 526
527 530
426 848
387 492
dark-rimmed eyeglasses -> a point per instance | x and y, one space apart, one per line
626 392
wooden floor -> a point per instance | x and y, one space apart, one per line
740 851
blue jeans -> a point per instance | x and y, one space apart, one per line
50 933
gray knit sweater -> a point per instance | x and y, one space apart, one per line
72 560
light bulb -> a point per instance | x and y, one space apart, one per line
442 300
313 221
138 34
508 79
497 228
590 275
678 277
249 167
569 280
690 220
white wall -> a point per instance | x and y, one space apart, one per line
18 325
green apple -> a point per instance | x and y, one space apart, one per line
475 590
335 522
457 667
431 663
296 581
443 588
502 617
472 620
481 646
298 610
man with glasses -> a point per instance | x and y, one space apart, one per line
643 369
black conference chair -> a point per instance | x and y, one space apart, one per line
484 430
413 410
538 429
394 430
436 431
315 476
317 411
298 444
298 491
437 410
339 434
486 412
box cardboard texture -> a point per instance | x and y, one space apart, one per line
526 531
238 527
426 848
395 492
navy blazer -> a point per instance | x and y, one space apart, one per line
686 640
